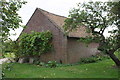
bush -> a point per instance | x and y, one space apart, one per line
88 60
93 59
42 64
34 44
36 61
51 64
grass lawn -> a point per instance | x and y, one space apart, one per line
102 69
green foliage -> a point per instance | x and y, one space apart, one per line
36 61
116 8
9 16
9 48
93 59
97 17
51 64
42 64
88 39
9 55
35 43
3 74
8 67
91 16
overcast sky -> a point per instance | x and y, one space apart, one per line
60 7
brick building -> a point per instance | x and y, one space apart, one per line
66 48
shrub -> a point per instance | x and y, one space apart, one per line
42 64
88 60
36 61
51 64
93 59
34 44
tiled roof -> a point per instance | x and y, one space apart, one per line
59 21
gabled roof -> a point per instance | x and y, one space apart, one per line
59 21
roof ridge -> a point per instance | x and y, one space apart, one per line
51 13
51 20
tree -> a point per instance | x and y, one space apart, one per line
9 18
97 17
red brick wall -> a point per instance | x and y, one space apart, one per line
39 22
77 50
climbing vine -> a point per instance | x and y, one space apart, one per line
35 43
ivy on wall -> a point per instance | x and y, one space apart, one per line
35 43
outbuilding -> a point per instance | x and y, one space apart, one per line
66 48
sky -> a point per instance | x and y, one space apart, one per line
59 7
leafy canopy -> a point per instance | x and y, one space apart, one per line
9 18
97 17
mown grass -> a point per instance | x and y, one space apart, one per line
102 69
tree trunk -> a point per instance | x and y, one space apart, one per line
114 58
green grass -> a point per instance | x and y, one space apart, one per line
102 69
